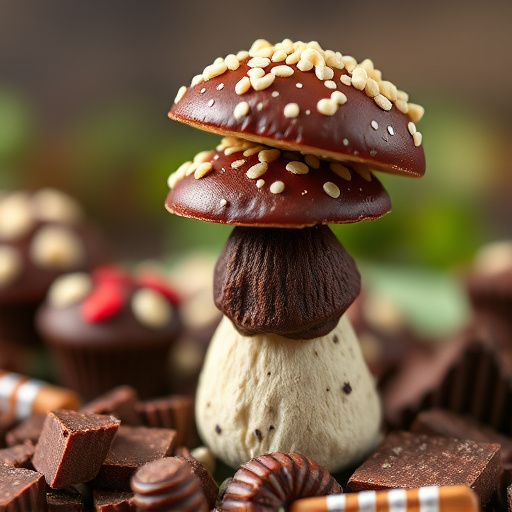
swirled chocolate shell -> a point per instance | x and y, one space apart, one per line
247 184
298 96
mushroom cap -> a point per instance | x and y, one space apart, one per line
228 187
296 96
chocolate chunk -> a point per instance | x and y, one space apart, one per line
65 500
27 430
255 273
109 501
119 402
21 490
18 456
467 375
440 422
174 411
132 447
208 485
407 461
73 446
168 484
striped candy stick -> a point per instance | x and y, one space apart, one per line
456 498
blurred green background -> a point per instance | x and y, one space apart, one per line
85 88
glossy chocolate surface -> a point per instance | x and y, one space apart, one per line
228 196
347 135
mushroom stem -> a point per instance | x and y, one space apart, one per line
293 282
266 393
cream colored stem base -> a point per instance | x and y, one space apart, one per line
267 393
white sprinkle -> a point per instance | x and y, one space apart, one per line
237 163
259 106
181 92
258 62
215 157
331 189
282 71
346 79
260 183
312 161
304 192
296 167
299 85
277 187
308 112
390 130
330 84
340 170
291 110
327 107
253 150
243 85
220 87
269 155
375 125
223 203
259 84
345 142
232 62
275 94
411 127
211 102
257 170
202 170
241 110
203 90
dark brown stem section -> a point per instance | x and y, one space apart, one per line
293 282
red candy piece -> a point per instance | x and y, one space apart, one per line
156 283
111 273
105 301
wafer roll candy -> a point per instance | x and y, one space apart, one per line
456 498
21 396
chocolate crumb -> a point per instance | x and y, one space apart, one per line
347 388
269 373
335 339
271 427
316 353
257 432
218 429
327 389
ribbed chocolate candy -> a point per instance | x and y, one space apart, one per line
274 480
292 282
168 484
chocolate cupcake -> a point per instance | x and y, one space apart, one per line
110 328
42 235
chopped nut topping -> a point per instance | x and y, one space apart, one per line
312 161
359 78
232 62
260 183
417 137
269 155
282 71
214 70
363 172
258 62
389 90
331 189
253 150
241 110
346 79
277 187
330 84
327 107
371 88
255 73
338 97
291 110
279 56
257 170
243 85
415 112
202 170
69 289
340 170
259 84
237 163
383 102
296 167
181 92
411 127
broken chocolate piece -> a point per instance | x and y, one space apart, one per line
208 485
119 402
293 282
168 484
18 456
73 446
132 447
275 480
65 500
109 501
407 461
21 490
27 430
440 422
174 411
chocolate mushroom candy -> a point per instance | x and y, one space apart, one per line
298 96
